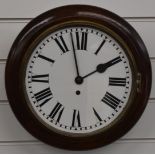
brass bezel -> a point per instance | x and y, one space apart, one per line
102 28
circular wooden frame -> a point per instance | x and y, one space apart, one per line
69 14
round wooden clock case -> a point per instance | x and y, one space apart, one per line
78 77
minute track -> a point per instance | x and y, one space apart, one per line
77 122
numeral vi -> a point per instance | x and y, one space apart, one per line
76 119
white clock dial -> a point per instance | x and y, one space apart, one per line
82 105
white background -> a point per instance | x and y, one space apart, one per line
15 14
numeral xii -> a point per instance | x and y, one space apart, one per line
81 40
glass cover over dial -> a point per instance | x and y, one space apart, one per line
78 79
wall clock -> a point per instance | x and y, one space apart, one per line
78 77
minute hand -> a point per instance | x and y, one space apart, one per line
75 58
101 68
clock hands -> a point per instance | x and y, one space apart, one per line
78 79
101 68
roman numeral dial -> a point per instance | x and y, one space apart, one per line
78 79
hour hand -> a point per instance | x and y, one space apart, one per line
101 68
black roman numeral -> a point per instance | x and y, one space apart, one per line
76 118
117 81
45 58
111 100
99 48
81 40
40 78
62 45
97 115
44 96
57 111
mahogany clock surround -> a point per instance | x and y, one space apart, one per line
82 22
